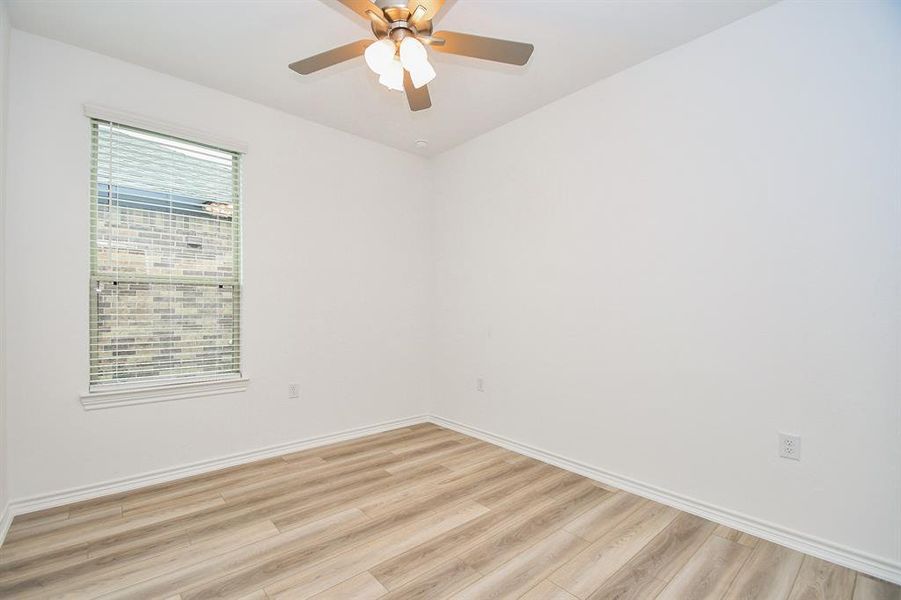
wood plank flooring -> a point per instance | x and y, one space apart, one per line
420 512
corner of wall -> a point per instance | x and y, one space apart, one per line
4 53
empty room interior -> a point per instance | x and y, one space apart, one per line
450 299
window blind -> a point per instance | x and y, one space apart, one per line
165 258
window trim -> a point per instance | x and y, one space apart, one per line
115 395
124 394
104 113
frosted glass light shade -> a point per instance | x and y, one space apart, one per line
412 52
379 56
393 77
415 59
421 74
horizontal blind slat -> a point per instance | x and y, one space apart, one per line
166 380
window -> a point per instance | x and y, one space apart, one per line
165 259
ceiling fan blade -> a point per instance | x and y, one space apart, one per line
476 46
431 8
417 98
330 57
377 17
359 6
430 40
417 16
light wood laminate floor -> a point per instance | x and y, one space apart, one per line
419 512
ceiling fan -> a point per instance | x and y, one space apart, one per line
403 29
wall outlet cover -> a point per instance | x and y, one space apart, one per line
790 446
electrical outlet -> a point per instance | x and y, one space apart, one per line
293 390
790 446
480 385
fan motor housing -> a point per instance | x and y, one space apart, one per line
397 13
392 4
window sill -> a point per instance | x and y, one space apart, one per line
129 396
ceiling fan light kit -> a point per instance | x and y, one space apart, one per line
399 56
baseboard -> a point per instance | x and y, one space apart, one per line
6 519
841 555
88 492
835 553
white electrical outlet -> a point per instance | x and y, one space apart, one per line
790 446
480 385
293 390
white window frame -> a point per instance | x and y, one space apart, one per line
164 391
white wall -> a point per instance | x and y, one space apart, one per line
657 274
336 272
4 54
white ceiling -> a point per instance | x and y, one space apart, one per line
244 47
